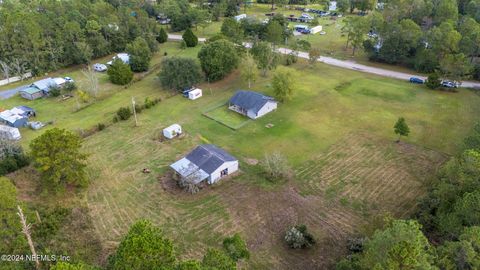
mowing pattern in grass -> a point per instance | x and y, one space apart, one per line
223 115
367 174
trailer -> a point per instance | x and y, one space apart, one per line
172 131
316 29
9 133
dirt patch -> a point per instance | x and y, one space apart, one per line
251 161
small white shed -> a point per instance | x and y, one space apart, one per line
316 29
172 131
240 17
194 94
9 133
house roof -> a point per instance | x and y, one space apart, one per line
209 157
12 115
187 169
44 84
249 100
31 90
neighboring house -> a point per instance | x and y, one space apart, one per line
125 57
45 85
31 93
252 104
17 116
206 162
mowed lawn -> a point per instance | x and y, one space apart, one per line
337 132
330 107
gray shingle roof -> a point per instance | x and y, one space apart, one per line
249 100
45 84
209 157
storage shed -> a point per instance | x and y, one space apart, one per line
316 29
31 93
195 93
9 133
172 131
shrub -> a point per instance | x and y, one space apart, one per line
298 237
236 248
275 167
148 103
120 73
433 81
100 126
162 36
70 86
12 157
189 37
290 59
476 72
124 113
138 108
54 91
140 55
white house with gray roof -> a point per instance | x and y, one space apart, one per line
252 104
206 162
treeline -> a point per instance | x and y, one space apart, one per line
46 35
430 36
447 233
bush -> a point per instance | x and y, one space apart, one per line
148 103
54 91
120 73
162 36
12 157
476 72
298 237
276 168
236 248
100 126
190 39
140 55
70 86
290 59
433 81
124 113
138 108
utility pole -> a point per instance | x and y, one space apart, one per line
134 111
26 230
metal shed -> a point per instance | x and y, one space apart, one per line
172 131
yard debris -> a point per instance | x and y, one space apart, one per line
251 161
36 125
146 170
269 125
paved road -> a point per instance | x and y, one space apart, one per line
12 92
349 65
179 37
368 69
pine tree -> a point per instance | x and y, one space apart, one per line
401 128
190 39
162 36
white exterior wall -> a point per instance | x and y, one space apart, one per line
232 167
268 107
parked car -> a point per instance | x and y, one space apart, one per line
416 80
68 80
450 84
99 67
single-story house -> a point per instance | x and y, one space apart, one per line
45 84
9 133
206 162
252 104
31 93
17 116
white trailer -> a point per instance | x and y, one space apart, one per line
195 93
172 131
9 133
316 29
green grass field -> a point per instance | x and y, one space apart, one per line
337 132
226 117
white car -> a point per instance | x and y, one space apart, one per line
68 80
99 67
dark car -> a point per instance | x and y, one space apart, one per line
416 80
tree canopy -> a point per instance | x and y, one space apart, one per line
57 156
218 59
179 73
140 55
